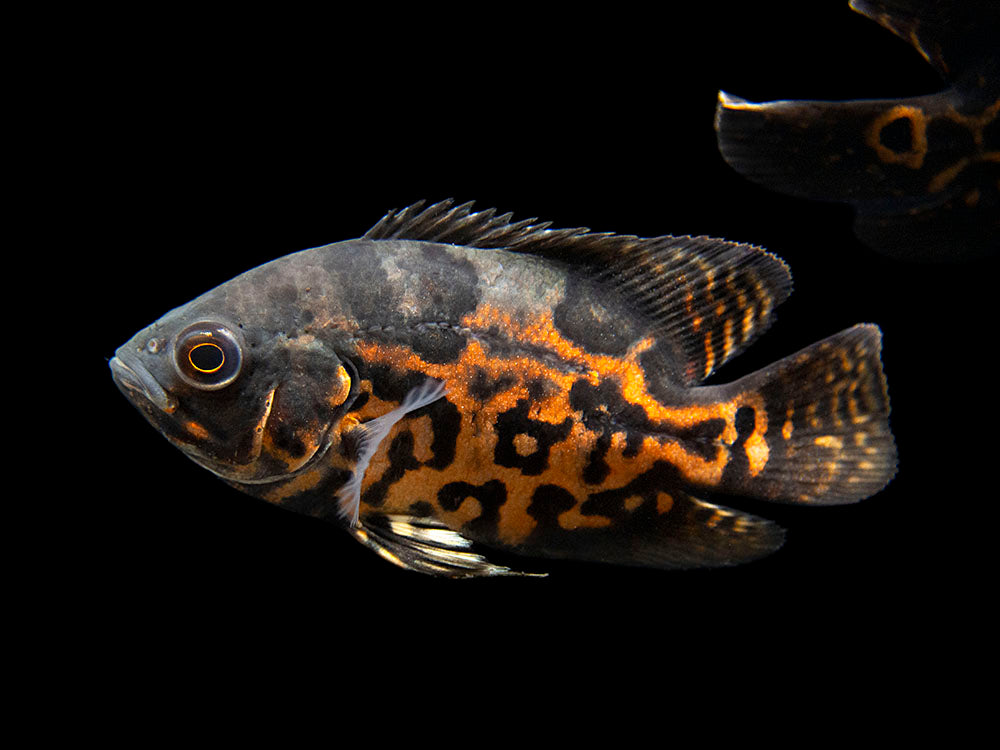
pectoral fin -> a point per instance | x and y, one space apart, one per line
369 436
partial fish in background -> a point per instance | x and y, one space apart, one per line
922 173
455 378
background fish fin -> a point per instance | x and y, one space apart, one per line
425 546
708 297
826 425
951 35
870 153
962 228
650 527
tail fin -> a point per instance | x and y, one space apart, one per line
827 431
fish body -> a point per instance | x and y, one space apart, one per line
923 173
455 381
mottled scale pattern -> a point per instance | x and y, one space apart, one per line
456 382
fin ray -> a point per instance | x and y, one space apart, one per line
827 423
709 298
369 436
426 546
671 530
951 36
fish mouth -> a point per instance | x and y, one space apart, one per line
130 375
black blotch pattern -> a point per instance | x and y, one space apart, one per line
738 467
547 503
611 332
603 402
606 411
401 460
483 387
366 292
596 469
438 345
539 388
515 422
662 476
448 285
284 438
702 438
360 401
446 424
389 384
491 495
320 501
421 509
663 368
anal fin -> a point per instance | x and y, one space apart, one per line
669 529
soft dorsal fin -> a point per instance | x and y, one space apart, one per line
709 297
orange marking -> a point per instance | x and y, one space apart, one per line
975 123
307 480
525 445
709 354
258 433
914 158
474 458
757 452
341 388
727 332
196 429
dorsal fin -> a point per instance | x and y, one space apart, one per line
710 298
951 35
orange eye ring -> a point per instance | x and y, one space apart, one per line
203 354
208 356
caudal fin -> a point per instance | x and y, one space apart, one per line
827 431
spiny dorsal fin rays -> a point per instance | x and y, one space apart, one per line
457 225
369 436
710 298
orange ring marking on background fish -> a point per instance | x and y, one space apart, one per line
914 156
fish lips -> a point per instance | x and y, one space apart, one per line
134 380
141 388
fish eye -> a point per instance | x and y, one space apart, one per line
208 356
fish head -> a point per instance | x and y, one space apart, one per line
244 394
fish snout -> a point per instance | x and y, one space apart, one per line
133 378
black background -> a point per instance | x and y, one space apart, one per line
222 143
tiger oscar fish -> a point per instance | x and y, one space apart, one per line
922 173
455 381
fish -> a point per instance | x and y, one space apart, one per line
922 173
455 387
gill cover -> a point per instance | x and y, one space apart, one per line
250 405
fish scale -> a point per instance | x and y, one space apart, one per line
455 381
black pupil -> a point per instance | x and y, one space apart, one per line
207 357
